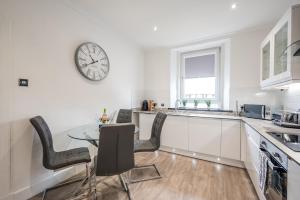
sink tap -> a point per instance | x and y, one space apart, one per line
177 103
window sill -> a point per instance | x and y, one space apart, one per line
201 109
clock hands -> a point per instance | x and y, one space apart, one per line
93 62
85 65
92 58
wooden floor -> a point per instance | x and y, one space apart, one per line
183 179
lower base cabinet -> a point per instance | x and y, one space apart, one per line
145 121
293 184
174 132
231 139
209 136
205 136
252 156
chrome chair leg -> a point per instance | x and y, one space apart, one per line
125 186
76 191
146 179
61 185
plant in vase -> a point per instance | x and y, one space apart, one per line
184 102
104 118
208 104
196 102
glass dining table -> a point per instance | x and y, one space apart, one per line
90 133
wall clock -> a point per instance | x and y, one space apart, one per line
92 61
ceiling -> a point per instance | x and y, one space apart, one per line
181 21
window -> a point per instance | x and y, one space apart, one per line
200 78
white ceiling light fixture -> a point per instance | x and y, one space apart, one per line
233 6
155 28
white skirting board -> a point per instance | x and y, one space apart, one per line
225 161
38 187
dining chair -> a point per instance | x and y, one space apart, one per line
124 116
53 160
151 145
115 152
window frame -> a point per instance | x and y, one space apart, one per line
202 52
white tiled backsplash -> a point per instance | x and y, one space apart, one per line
291 98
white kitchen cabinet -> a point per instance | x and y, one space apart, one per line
293 184
253 140
252 157
175 132
205 135
231 139
145 121
278 66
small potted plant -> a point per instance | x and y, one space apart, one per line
184 101
208 104
196 102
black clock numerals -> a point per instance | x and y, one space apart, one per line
83 52
88 72
82 59
88 49
105 58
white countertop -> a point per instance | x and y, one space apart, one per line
203 114
264 126
261 126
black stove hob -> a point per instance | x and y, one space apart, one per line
292 141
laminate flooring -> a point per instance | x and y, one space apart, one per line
184 178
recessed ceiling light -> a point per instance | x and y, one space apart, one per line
155 28
233 6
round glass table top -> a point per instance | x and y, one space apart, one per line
88 132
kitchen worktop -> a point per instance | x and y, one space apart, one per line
261 126
203 114
265 126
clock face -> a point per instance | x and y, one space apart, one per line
92 61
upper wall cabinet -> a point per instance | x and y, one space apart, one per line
279 66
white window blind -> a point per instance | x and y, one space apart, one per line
200 66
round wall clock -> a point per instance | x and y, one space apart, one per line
92 61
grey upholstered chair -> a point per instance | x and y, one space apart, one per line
152 144
124 116
115 152
58 160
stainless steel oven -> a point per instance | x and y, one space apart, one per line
276 177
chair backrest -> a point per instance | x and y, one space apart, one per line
46 139
158 123
115 152
124 116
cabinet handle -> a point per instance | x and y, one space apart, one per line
277 156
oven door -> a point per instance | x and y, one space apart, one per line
276 183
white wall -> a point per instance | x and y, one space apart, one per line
5 106
244 70
157 75
291 98
44 36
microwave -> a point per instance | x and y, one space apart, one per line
254 111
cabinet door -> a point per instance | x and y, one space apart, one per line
146 121
231 139
293 191
205 136
175 132
253 139
280 45
266 56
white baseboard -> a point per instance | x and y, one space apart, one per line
215 159
40 186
